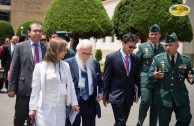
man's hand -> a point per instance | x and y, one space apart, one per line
11 94
32 113
136 99
190 78
158 74
99 97
105 102
76 108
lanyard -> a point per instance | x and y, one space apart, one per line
59 71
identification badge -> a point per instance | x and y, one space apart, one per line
82 83
62 88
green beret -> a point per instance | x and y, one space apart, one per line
154 28
63 33
171 38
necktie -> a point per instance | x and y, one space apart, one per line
172 61
85 91
36 54
127 64
155 49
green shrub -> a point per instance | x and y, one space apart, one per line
98 55
136 16
6 30
25 26
83 18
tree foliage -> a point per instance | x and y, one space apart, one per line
25 26
6 30
83 18
137 16
98 54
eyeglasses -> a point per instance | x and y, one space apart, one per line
87 54
132 47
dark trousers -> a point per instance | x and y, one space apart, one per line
87 113
121 113
183 115
21 110
147 101
6 81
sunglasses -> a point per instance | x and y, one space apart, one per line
132 47
43 40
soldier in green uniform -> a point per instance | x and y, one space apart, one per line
170 70
65 35
147 51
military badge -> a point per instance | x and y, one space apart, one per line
182 71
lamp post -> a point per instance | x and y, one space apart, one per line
21 29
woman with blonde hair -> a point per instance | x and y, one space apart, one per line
52 87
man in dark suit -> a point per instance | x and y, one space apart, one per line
88 84
26 55
121 76
7 56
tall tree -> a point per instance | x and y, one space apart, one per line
137 16
83 18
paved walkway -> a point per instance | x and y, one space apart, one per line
7 110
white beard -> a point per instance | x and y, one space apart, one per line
82 65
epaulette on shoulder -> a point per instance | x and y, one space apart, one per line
142 45
184 56
159 55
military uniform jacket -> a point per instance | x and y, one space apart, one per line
172 85
146 53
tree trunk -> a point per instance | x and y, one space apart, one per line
74 43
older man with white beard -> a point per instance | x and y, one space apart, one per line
88 84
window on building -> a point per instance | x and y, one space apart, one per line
5 15
5 2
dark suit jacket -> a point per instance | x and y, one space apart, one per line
6 59
117 85
22 67
96 77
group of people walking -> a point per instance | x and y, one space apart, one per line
59 92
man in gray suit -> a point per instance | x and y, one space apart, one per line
26 55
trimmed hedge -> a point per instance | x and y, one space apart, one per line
6 30
137 16
98 55
83 18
